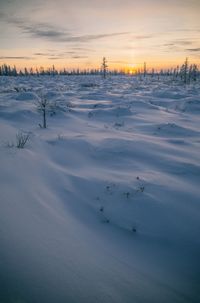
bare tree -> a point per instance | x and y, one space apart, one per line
104 67
43 106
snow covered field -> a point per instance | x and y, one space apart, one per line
103 205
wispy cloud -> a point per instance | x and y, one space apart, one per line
197 49
88 38
16 58
143 37
83 49
183 42
53 33
55 58
178 42
79 57
41 54
168 44
56 55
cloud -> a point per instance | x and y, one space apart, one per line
77 53
183 42
57 36
16 58
53 33
59 55
79 57
54 58
178 44
55 54
88 38
193 49
83 49
168 44
143 37
41 54
44 31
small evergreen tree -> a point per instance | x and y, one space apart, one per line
194 72
184 71
145 69
104 67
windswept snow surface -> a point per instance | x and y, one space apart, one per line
104 205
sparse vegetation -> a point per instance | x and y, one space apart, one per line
186 73
43 105
60 137
22 139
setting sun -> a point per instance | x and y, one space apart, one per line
131 72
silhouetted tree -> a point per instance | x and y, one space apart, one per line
104 67
43 106
145 69
184 71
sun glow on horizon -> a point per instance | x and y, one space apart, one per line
131 71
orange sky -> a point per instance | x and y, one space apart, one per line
78 34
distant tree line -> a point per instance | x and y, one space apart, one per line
186 72
7 70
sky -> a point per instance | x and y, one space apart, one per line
79 33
